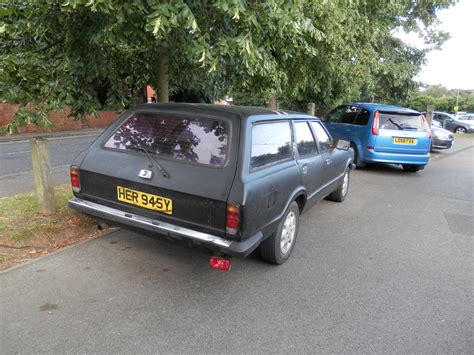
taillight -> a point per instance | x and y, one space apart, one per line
75 181
375 124
232 222
427 126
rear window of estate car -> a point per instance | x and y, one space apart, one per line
400 121
177 137
271 143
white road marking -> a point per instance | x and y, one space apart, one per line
54 138
20 152
31 171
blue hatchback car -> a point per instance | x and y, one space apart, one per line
382 134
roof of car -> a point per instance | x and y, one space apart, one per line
242 111
372 106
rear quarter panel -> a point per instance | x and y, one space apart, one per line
265 193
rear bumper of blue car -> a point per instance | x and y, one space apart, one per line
372 156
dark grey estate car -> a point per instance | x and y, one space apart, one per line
226 178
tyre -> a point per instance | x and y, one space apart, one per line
460 130
278 247
340 194
412 168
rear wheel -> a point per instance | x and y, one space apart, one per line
413 168
460 130
340 194
278 247
359 163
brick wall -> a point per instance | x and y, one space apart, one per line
61 121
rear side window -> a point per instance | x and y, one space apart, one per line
322 136
401 121
349 115
177 137
304 139
271 143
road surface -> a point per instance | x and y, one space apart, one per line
390 270
16 175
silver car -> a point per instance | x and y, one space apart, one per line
441 138
453 123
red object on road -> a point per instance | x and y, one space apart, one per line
219 263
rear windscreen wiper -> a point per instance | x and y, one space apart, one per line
152 160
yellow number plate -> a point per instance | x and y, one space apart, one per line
142 199
400 140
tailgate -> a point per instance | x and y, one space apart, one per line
194 152
403 133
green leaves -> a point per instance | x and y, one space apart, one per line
85 54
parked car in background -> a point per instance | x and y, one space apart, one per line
466 117
226 178
383 134
456 124
441 138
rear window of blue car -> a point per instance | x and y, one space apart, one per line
401 121
176 137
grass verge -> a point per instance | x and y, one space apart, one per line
25 234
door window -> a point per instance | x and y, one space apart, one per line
304 140
322 136
271 143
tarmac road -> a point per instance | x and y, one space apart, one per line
16 171
388 270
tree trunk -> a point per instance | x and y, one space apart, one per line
273 104
163 94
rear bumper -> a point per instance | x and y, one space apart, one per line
213 242
372 156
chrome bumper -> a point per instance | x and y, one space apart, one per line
242 248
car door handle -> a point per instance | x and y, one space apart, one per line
304 169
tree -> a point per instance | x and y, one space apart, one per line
442 99
359 57
87 53
57 53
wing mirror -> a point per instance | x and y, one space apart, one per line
341 144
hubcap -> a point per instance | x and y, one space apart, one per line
345 184
460 131
288 233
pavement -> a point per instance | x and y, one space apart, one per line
390 270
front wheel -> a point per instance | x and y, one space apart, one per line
412 168
278 247
460 130
340 194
